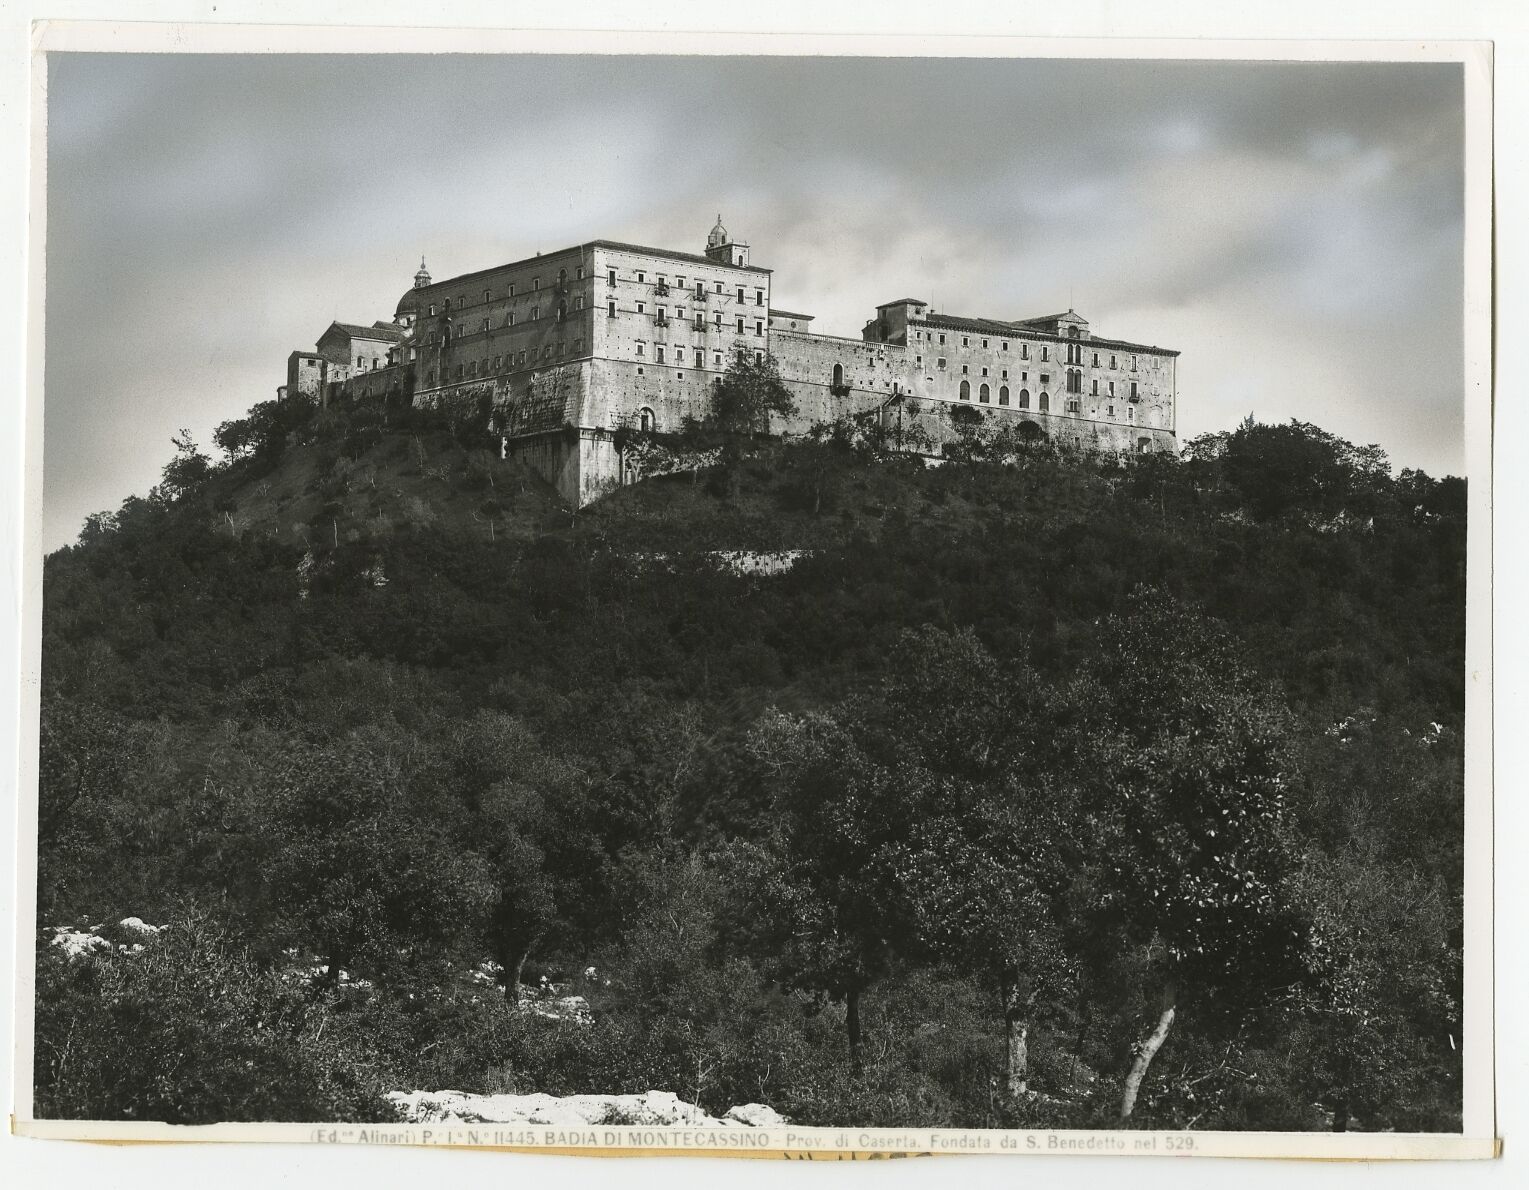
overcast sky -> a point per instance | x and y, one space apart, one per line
1294 229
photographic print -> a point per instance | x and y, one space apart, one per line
724 601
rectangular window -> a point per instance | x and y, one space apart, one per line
1133 390
487 296
485 326
965 342
610 309
1109 410
984 371
659 353
639 369
984 343
640 307
759 357
1130 413
578 273
1133 363
641 349
700 358
1024 351
964 370
509 319
759 297
536 283
641 277
719 286
717 359
679 282
497 361
1112 388
521 358
740 326
1045 353
740 295
578 302
940 363
1096 359
942 340
610 277
1005 344
1112 361
1006 373
1095 389
758 328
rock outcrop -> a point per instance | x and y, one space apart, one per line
650 1108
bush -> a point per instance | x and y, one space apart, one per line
190 1031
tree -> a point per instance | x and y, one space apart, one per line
356 872
1189 774
185 473
748 394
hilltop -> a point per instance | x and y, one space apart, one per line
927 826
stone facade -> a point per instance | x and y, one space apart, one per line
604 336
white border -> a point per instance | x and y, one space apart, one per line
1478 304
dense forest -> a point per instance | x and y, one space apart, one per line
1019 788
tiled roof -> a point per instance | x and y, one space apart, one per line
582 249
903 302
774 313
986 326
991 326
1049 318
382 332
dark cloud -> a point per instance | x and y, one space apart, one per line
1295 229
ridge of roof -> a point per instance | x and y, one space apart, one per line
994 327
376 332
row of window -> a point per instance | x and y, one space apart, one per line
661 287
1074 350
985 397
661 318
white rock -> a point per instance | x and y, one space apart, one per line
77 943
138 925
650 1108
755 1115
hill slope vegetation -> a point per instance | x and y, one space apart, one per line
1031 789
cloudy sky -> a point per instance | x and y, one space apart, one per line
1294 229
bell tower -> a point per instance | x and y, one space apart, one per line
422 278
720 246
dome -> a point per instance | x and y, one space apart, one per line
718 235
408 304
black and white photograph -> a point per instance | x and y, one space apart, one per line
735 600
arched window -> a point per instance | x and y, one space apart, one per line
562 311
1003 395
984 394
1045 402
838 379
562 276
966 390
1024 398
646 422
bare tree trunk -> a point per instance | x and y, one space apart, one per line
1147 1050
1018 1031
1016 1027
